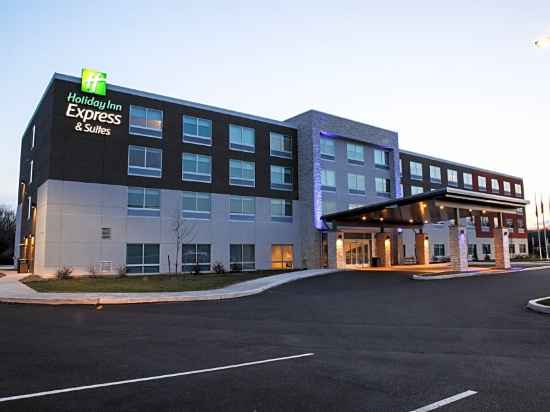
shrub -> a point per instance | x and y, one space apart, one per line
122 272
236 267
218 268
487 257
196 269
64 273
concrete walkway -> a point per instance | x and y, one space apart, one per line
13 291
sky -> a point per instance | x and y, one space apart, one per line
460 80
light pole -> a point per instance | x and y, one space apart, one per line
543 42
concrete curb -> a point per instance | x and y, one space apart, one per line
237 290
472 274
537 307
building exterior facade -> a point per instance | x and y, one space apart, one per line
421 173
152 184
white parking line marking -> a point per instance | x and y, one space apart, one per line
150 378
445 401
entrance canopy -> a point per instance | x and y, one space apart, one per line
430 207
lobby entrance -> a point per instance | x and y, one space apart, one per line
357 250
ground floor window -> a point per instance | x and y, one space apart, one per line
439 249
282 256
512 248
242 257
194 255
142 258
522 248
486 249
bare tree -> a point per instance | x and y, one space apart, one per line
7 232
184 230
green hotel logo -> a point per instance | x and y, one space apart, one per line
94 81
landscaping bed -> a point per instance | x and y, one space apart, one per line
147 283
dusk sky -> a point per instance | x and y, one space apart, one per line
457 80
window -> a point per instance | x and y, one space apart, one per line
512 248
482 183
197 130
507 188
468 180
401 168
495 186
281 210
145 121
522 248
29 209
356 184
196 205
486 248
144 161
381 158
328 180
520 224
31 166
242 208
472 250
195 255
416 190
280 145
401 193
416 170
242 257
518 190
439 249
143 201
196 168
509 223
328 206
328 148
33 136
356 153
281 177
435 174
282 256
242 173
242 138
452 177
142 258
382 186
484 223
106 233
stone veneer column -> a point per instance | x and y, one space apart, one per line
383 248
458 248
422 247
336 258
502 250
399 248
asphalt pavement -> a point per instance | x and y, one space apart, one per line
374 342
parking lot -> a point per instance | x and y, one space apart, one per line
368 341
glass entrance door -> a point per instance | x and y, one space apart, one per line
357 252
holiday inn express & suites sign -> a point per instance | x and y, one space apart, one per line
93 114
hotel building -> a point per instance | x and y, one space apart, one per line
146 182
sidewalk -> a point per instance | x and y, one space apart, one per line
13 291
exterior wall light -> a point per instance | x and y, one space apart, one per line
363 218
